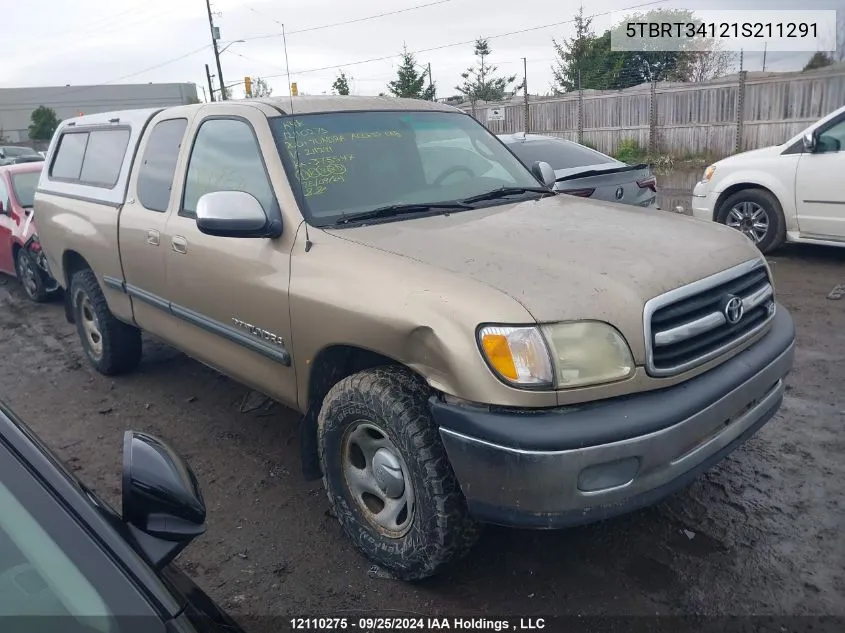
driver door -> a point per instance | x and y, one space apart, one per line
819 190
232 292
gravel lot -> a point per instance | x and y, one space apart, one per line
762 533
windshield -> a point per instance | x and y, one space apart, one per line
24 185
558 154
19 151
352 162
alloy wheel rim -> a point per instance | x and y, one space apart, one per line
750 219
27 277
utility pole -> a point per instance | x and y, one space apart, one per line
204 95
525 88
215 34
430 83
765 46
210 87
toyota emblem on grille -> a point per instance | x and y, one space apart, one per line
619 193
733 309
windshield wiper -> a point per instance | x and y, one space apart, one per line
504 192
399 209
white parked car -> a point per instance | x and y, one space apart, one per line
793 192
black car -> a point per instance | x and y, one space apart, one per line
69 563
11 154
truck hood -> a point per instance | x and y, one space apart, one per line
564 258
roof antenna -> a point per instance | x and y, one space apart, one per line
308 242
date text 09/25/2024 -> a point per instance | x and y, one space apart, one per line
373 624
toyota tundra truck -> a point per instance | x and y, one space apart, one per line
464 345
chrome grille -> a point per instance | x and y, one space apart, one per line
696 323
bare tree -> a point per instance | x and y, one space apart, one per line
709 64
260 88
839 54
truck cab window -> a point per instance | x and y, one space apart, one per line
225 157
155 179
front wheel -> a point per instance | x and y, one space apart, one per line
112 346
387 475
758 215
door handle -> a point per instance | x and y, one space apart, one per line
179 244
153 237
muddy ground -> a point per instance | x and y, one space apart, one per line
762 533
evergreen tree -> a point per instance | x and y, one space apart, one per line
341 84
480 82
409 80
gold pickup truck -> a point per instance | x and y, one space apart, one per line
465 346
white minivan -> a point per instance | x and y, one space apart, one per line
793 192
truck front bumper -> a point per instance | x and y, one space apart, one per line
574 465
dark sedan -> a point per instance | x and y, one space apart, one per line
584 172
13 155
69 563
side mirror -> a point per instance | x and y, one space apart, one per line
810 142
232 214
162 502
544 173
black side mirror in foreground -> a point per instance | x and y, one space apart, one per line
162 502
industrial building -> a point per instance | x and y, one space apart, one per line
17 104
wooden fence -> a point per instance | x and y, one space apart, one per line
717 118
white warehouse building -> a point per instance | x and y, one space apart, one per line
17 104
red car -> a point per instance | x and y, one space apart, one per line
20 251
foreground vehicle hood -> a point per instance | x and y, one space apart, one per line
564 258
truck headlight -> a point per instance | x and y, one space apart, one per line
587 353
708 173
560 355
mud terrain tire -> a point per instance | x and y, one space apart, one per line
393 402
112 346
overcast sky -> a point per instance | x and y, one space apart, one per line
56 42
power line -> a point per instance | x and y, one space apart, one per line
465 42
100 22
328 26
111 81
364 61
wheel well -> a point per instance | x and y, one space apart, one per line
329 367
72 262
736 189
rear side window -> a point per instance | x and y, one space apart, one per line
91 158
155 179
104 157
68 162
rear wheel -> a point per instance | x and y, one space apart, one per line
30 277
758 215
387 475
112 346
